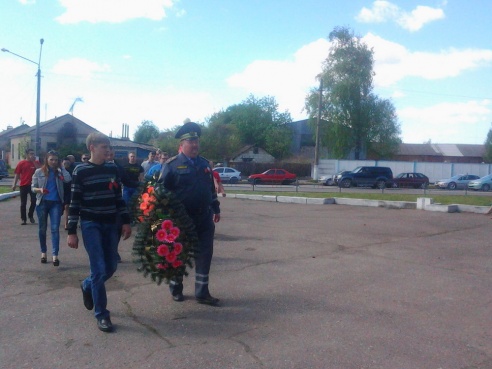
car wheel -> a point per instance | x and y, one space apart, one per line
257 181
346 183
233 180
424 185
452 186
485 187
381 184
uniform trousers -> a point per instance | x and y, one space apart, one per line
205 228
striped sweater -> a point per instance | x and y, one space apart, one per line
96 195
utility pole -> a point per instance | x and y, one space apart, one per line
316 147
38 102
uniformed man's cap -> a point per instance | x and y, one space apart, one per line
189 131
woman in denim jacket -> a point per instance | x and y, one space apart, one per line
47 183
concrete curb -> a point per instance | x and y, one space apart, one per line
8 195
426 204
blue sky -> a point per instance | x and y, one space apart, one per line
167 60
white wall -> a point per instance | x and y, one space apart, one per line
434 171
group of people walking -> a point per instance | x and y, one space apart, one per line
99 205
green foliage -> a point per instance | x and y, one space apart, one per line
166 141
358 119
145 132
252 122
488 147
220 140
72 149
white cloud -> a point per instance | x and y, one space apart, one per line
112 11
384 11
393 62
78 67
287 80
447 122
27 2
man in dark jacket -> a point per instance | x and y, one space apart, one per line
189 176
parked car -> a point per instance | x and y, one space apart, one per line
273 176
412 179
228 174
459 181
3 170
333 180
484 183
377 177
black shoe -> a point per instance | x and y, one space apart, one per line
179 297
23 222
87 296
43 260
105 325
208 300
56 262
31 219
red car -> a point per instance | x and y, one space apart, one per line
273 176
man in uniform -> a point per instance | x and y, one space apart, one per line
189 177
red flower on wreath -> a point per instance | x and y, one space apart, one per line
178 248
174 231
161 235
162 266
177 263
162 250
171 257
167 225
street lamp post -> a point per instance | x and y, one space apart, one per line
317 142
38 100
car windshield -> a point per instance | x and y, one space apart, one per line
357 170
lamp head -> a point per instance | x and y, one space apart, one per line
5 50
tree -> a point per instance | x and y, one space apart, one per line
488 147
254 122
145 132
357 118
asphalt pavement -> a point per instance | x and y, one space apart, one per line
301 286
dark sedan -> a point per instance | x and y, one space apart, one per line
414 180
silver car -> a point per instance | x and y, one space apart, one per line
484 183
229 175
459 181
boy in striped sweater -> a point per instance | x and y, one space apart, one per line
96 200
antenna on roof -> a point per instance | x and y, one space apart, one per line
73 105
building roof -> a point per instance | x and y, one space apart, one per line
126 143
443 150
14 131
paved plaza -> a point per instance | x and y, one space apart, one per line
301 286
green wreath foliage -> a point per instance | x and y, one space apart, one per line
166 239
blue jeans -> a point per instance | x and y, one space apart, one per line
128 196
101 244
53 209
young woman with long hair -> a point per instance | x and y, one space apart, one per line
47 184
